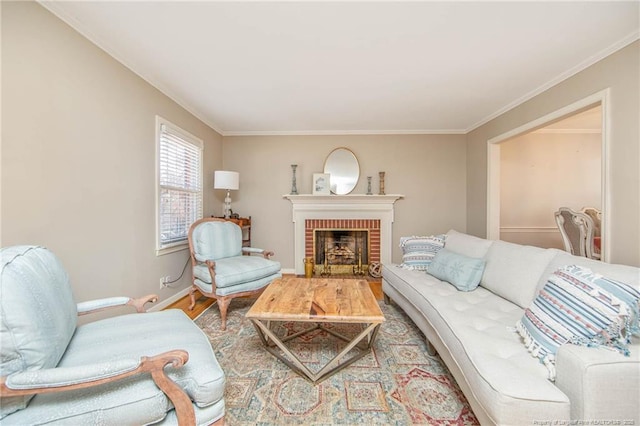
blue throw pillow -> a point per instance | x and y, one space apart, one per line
462 271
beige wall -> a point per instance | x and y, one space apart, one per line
78 157
619 72
429 170
540 172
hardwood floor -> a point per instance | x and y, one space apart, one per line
202 302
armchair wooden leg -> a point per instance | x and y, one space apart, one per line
223 304
192 296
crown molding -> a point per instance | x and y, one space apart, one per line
635 35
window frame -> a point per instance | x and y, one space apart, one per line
184 136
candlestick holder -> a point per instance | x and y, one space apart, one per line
381 183
369 186
294 188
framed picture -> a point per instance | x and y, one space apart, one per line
321 184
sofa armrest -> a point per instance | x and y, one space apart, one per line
71 378
601 384
98 305
252 250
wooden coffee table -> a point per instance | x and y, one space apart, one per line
317 300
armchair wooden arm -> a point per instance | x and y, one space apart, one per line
94 306
154 365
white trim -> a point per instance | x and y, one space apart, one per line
199 144
635 35
168 301
493 164
529 229
307 206
80 28
171 249
52 7
568 131
344 132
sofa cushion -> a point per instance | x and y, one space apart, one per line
572 309
476 331
226 291
462 271
466 244
237 270
418 252
513 271
37 321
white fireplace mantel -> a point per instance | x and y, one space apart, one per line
307 206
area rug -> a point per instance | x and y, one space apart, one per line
399 383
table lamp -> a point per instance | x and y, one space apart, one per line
223 179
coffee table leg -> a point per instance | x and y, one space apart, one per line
297 365
328 370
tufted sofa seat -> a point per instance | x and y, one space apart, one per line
474 333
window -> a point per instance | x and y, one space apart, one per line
179 185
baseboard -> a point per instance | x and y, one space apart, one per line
168 301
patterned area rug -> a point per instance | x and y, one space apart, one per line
399 383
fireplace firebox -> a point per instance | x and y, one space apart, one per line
341 251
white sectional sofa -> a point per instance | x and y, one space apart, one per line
474 333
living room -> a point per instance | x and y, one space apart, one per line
63 176
79 158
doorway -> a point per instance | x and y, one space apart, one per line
557 160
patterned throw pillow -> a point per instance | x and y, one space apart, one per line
462 271
418 252
573 308
630 296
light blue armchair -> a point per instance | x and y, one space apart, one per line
129 369
220 270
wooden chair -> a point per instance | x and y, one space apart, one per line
596 217
220 270
576 229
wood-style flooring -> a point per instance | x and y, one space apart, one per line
203 302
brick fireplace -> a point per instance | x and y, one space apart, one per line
373 213
362 245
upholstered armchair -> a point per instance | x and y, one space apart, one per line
139 368
219 265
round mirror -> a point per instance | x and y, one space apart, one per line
344 171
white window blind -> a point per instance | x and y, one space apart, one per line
179 184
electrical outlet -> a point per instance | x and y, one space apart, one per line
164 281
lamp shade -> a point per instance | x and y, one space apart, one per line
223 179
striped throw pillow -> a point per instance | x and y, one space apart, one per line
628 295
573 308
418 252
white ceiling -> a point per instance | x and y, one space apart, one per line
353 67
